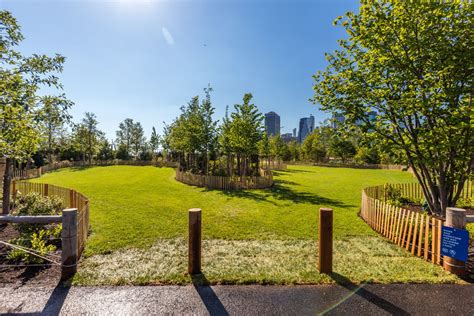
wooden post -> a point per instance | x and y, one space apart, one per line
455 217
46 189
325 240
194 246
69 254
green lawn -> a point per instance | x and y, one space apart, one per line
141 212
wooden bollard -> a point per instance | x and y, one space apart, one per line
456 218
69 254
194 245
325 240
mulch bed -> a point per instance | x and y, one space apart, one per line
21 275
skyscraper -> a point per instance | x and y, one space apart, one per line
272 123
306 128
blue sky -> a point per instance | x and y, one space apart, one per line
143 59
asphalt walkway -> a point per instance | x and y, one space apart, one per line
397 299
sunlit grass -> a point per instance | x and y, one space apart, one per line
291 261
139 225
134 206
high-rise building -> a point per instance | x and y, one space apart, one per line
294 132
337 119
306 128
287 137
272 123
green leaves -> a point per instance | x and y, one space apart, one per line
411 63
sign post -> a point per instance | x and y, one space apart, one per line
455 241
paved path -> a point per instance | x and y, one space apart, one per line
241 300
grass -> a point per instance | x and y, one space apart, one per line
139 220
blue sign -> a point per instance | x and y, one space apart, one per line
454 243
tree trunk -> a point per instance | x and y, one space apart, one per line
7 179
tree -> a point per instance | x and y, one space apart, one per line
411 63
194 133
245 132
341 148
21 107
105 152
54 116
124 134
278 147
264 147
137 139
154 141
294 150
88 136
314 148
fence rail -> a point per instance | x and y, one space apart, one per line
226 183
70 198
418 233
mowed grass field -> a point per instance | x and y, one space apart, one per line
139 225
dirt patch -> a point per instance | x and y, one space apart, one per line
12 274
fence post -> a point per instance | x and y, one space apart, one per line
325 240
69 254
194 246
456 218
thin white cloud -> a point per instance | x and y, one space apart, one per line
167 35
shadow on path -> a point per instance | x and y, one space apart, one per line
54 304
208 296
56 300
367 295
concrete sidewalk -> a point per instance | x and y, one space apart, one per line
396 299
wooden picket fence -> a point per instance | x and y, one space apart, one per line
273 165
70 198
226 183
418 233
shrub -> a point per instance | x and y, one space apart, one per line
393 195
38 237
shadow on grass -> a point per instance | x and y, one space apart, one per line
367 295
282 192
212 302
278 172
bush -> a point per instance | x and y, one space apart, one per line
393 195
38 237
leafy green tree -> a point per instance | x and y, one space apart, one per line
54 115
21 108
245 132
278 148
341 148
411 63
154 142
264 147
88 136
314 148
105 152
137 140
294 150
194 133
124 135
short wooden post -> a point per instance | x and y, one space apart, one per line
455 217
194 249
69 255
46 189
325 240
